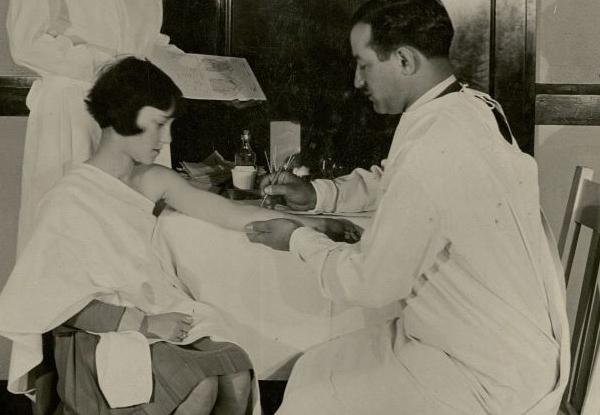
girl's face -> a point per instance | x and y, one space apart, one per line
156 124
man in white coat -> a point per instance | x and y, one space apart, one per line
457 238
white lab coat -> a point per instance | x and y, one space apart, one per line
66 42
456 239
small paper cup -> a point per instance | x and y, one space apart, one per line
243 177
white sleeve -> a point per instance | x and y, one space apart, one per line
355 192
381 268
29 25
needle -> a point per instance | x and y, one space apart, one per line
274 181
281 169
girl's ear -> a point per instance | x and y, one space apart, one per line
145 116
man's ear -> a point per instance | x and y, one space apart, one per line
408 59
145 116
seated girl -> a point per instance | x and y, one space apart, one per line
128 336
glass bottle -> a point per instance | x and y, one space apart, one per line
245 156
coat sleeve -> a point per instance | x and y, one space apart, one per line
35 33
392 253
101 317
355 192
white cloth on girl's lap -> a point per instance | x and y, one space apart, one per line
93 239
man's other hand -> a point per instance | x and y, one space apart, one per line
339 230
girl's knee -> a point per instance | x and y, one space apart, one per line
201 399
236 384
234 394
210 385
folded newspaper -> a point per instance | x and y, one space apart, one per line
209 77
212 171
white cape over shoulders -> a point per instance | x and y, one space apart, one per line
93 240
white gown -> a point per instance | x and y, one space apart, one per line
66 41
457 240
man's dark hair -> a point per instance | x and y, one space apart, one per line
422 24
126 86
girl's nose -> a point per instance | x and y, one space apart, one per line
165 136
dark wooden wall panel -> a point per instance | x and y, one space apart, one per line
567 104
514 65
567 89
196 26
13 92
204 27
470 52
299 50
301 55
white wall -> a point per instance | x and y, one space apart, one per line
568 37
568 41
558 150
12 134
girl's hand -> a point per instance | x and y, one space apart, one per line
275 233
168 326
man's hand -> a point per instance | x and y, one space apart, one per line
339 230
275 233
169 326
289 190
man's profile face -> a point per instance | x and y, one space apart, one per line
379 80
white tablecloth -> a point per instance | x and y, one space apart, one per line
270 298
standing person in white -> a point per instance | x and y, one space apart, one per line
457 238
65 42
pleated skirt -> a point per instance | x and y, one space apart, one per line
176 371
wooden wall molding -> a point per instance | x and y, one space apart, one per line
567 104
567 89
567 109
13 92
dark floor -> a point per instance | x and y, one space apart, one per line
271 393
13 404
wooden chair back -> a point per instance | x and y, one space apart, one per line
582 396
